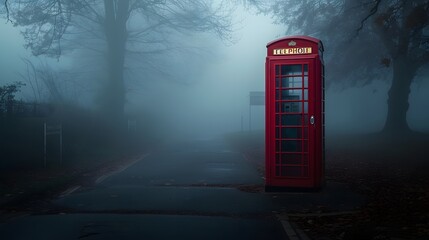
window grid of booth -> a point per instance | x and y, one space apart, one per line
291 131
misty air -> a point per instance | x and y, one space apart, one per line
199 119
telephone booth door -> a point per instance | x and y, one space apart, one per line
294 114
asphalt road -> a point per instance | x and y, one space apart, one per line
187 190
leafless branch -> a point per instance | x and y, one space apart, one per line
7 12
371 13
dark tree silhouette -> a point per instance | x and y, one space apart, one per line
47 23
400 28
362 38
7 97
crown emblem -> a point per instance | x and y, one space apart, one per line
292 43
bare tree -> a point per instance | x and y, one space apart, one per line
140 26
402 29
362 38
31 78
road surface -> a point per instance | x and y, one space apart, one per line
187 190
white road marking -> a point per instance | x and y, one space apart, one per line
69 191
104 177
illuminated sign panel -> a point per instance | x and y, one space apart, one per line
292 51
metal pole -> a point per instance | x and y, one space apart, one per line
242 127
44 144
250 118
61 144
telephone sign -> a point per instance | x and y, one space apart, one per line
295 122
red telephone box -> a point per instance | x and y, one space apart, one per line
295 121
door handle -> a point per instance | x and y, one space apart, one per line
312 120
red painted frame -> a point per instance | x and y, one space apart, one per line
315 177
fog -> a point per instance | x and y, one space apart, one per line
217 95
202 89
133 119
364 109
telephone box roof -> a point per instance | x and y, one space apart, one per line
305 38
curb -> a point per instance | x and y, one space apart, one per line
292 232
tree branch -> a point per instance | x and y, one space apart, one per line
7 12
373 11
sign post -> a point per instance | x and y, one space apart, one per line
256 99
52 130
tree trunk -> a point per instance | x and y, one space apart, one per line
115 94
116 35
403 74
